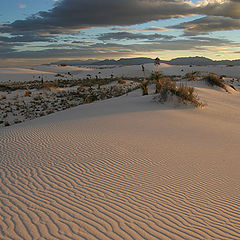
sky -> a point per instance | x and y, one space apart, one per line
36 32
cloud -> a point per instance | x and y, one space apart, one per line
82 42
22 6
111 49
224 8
155 29
26 38
56 51
72 15
69 16
132 36
209 24
122 29
8 49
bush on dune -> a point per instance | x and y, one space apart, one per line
183 93
214 80
191 76
144 87
157 80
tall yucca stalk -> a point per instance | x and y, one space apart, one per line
156 77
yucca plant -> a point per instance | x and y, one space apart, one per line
157 63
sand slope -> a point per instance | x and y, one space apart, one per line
124 168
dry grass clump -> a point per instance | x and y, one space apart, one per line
6 124
81 89
3 96
157 80
190 76
50 85
144 87
27 93
214 80
121 81
184 93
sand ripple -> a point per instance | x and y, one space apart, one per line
115 177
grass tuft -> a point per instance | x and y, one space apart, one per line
214 80
184 93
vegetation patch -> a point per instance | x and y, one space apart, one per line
214 80
49 98
183 93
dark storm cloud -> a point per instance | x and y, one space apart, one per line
72 15
209 24
132 36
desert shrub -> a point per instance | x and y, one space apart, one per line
121 81
190 76
27 93
144 87
59 75
17 121
3 96
184 93
157 78
6 124
38 97
168 89
49 85
214 80
16 96
50 111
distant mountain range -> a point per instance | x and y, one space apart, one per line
202 61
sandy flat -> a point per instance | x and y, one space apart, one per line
124 168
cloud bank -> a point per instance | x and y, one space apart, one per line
69 16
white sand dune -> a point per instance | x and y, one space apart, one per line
18 74
50 72
124 168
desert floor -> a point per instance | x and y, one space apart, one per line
124 168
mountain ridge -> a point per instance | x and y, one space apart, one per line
202 61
